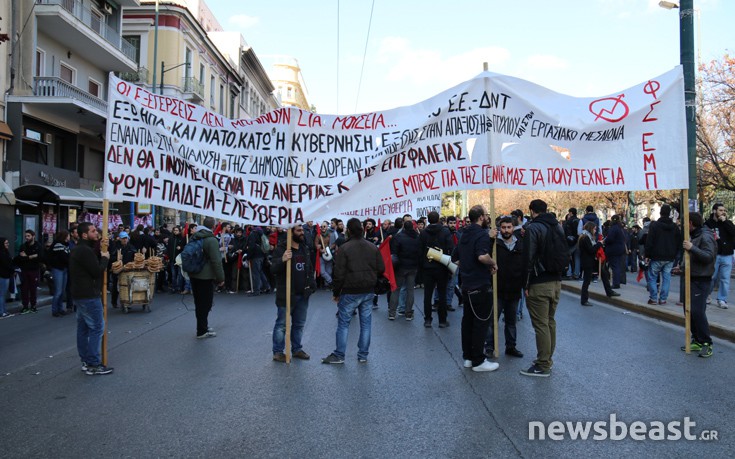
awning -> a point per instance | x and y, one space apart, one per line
5 132
6 194
56 194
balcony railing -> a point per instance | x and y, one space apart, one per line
193 86
141 76
83 12
56 87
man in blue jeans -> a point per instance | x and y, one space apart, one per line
724 230
87 270
357 265
662 244
302 286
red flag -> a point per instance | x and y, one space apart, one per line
218 229
186 229
385 253
239 261
601 251
640 275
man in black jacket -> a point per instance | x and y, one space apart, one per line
87 271
302 286
543 287
28 260
474 254
407 247
511 270
702 250
176 244
357 266
724 231
434 274
662 244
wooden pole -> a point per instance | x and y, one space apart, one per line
496 352
105 234
289 239
687 275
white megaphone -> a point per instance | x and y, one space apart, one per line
439 257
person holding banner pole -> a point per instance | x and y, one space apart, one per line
88 274
702 250
293 304
473 254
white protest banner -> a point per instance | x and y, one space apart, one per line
493 131
416 206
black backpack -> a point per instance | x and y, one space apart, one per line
555 256
192 257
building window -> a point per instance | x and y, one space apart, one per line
233 99
135 41
212 91
97 21
202 73
94 88
66 73
289 92
222 99
187 67
40 63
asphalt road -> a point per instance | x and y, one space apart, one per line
174 396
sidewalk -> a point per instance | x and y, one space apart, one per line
634 297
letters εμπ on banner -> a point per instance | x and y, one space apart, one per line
492 131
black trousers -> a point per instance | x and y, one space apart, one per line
476 318
227 266
203 292
508 308
700 325
435 278
587 278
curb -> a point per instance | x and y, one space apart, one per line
716 329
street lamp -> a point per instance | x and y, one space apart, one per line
686 50
163 72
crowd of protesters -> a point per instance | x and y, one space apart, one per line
337 257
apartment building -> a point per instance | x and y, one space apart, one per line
191 57
289 82
56 106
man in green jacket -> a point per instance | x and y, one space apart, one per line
202 283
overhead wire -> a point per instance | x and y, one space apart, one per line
337 111
362 69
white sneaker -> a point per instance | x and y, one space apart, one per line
468 363
722 304
709 300
486 366
209 334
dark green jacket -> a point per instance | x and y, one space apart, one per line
212 270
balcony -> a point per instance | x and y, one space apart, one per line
65 101
83 32
141 76
192 89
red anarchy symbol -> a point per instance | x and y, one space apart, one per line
610 113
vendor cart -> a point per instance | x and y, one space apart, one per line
136 288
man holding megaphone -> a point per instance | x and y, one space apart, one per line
436 244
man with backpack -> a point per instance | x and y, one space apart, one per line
546 253
203 276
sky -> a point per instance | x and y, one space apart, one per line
418 48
